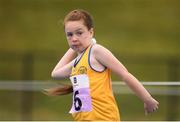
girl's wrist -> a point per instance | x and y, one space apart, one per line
147 99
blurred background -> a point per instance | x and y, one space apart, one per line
143 34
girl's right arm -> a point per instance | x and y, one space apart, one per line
63 67
62 70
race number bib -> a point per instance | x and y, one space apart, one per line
81 94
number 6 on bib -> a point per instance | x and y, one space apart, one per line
81 94
77 101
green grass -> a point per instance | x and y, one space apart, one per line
46 108
129 27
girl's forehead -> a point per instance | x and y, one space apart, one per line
74 25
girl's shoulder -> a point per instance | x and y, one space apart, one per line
97 48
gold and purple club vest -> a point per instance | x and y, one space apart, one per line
93 97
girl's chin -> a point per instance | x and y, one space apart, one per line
77 49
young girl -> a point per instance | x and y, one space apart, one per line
89 67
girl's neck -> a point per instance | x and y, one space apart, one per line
84 49
81 52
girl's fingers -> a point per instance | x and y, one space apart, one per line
146 113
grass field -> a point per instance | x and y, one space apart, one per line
141 27
57 108
40 107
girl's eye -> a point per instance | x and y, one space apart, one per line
79 33
69 34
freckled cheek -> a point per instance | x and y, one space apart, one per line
85 37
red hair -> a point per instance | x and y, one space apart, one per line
80 14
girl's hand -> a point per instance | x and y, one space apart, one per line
151 105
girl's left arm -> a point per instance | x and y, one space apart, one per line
106 58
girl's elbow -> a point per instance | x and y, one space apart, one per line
53 75
125 76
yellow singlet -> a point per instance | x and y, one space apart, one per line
103 103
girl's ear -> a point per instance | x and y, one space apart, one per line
91 32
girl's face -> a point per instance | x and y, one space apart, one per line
78 35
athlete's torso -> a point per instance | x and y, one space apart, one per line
93 96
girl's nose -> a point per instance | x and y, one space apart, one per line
74 38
